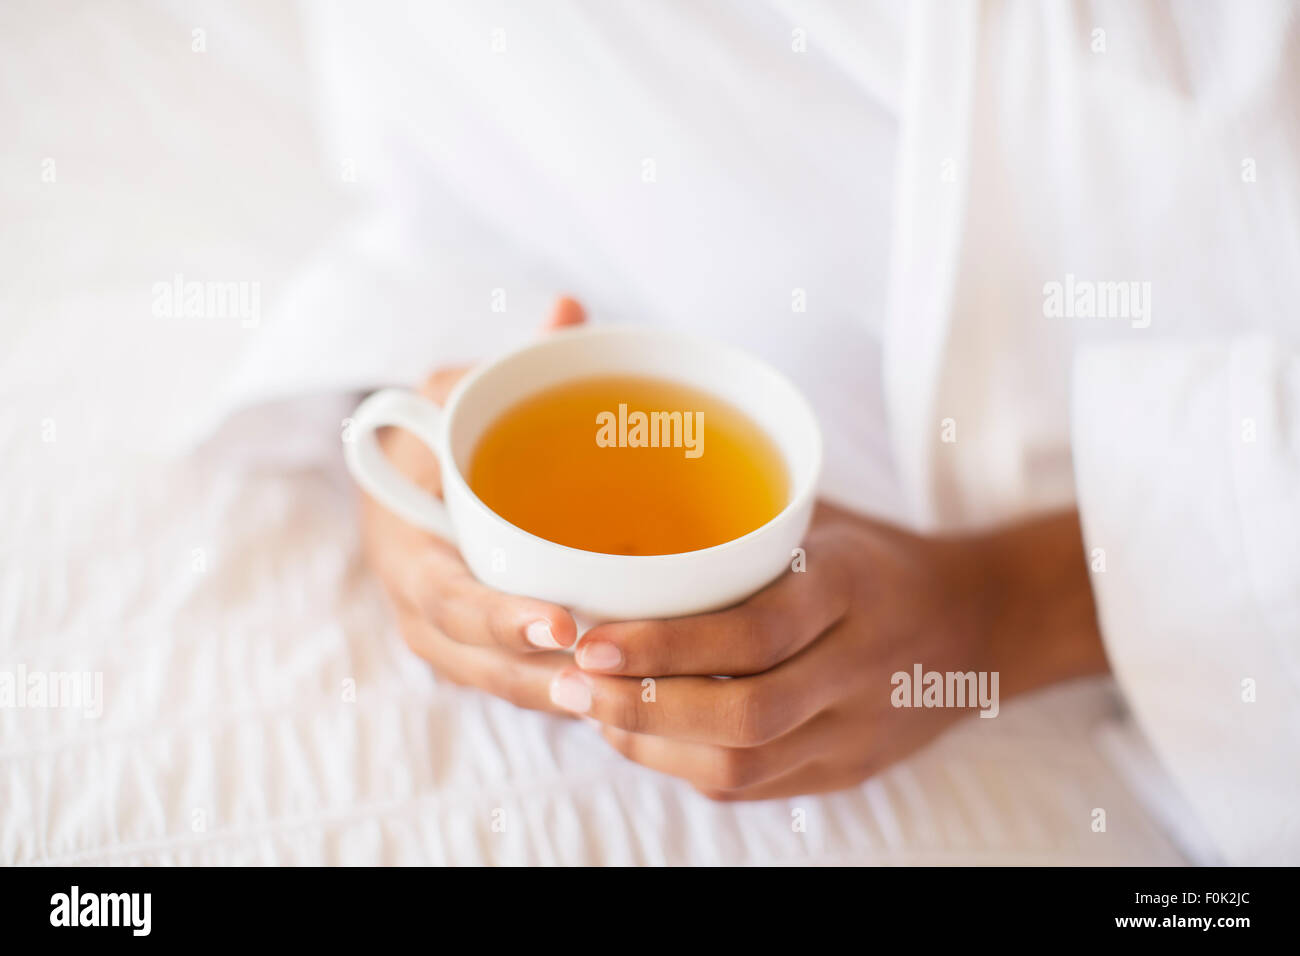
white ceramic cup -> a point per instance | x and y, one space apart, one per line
599 587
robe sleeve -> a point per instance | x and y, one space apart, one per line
1187 459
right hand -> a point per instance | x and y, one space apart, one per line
474 636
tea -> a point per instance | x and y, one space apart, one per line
629 465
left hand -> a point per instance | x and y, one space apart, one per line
808 708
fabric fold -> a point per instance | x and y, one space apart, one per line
1188 469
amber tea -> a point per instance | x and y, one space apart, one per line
629 465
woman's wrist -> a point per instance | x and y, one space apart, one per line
1040 619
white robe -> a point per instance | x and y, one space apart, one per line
1163 150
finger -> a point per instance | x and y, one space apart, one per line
710 767
703 709
566 312
743 712
440 588
521 679
771 627
438 386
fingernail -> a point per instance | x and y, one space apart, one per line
539 635
571 692
599 656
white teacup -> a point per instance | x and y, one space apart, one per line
600 587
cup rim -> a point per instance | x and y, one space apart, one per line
798 499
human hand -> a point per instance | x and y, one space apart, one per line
810 706
471 634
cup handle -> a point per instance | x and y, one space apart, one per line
376 474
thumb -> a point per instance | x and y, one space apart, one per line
567 312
